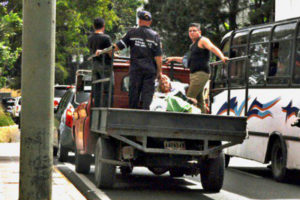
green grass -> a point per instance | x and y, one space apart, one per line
5 119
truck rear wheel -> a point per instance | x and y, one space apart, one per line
227 160
104 173
212 173
176 172
278 158
126 171
82 162
158 170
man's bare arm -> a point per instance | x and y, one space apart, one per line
176 59
158 60
206 43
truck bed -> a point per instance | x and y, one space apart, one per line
124 123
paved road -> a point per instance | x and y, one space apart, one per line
243 180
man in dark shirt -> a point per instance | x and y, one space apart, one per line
145 61
101 63
198 62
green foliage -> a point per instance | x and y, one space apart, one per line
262 11
75 22
61 74
10 43
5 119
171 19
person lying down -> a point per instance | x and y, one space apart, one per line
171 96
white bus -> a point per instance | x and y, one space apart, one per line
265 70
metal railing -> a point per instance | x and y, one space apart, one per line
226 78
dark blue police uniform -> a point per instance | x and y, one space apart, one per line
142 70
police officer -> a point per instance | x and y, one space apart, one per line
145 59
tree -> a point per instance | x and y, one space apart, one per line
10 39
172 17
262 11
75 23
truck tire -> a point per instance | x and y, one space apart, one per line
158 170
279 159
104 173
126 171
212 173
82 162
176 172
62 152
227 161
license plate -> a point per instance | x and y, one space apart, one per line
174 145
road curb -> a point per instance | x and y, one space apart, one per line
78 183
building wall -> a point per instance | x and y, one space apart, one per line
285 9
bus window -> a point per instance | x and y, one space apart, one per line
225 48
284 32
258 52
296 77
257 63
281 52
239 44
240 38
237 73
260 35
238 51
219 76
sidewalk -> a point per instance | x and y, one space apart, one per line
9 177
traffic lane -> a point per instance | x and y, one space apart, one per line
258 183
241 182
142 184
254 181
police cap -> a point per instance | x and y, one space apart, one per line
144 15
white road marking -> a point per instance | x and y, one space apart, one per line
222 195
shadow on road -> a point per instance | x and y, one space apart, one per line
258 183
154 187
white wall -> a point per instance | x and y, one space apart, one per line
285 9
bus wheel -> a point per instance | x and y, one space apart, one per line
278 157
227 160
212 173
82 162
104 172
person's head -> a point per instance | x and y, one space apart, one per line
194 31
165 84
145 18
99 23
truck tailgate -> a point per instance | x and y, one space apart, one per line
168 124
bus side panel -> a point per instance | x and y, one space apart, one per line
293 161
269 111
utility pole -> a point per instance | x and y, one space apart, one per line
36 155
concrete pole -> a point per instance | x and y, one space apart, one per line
36 156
